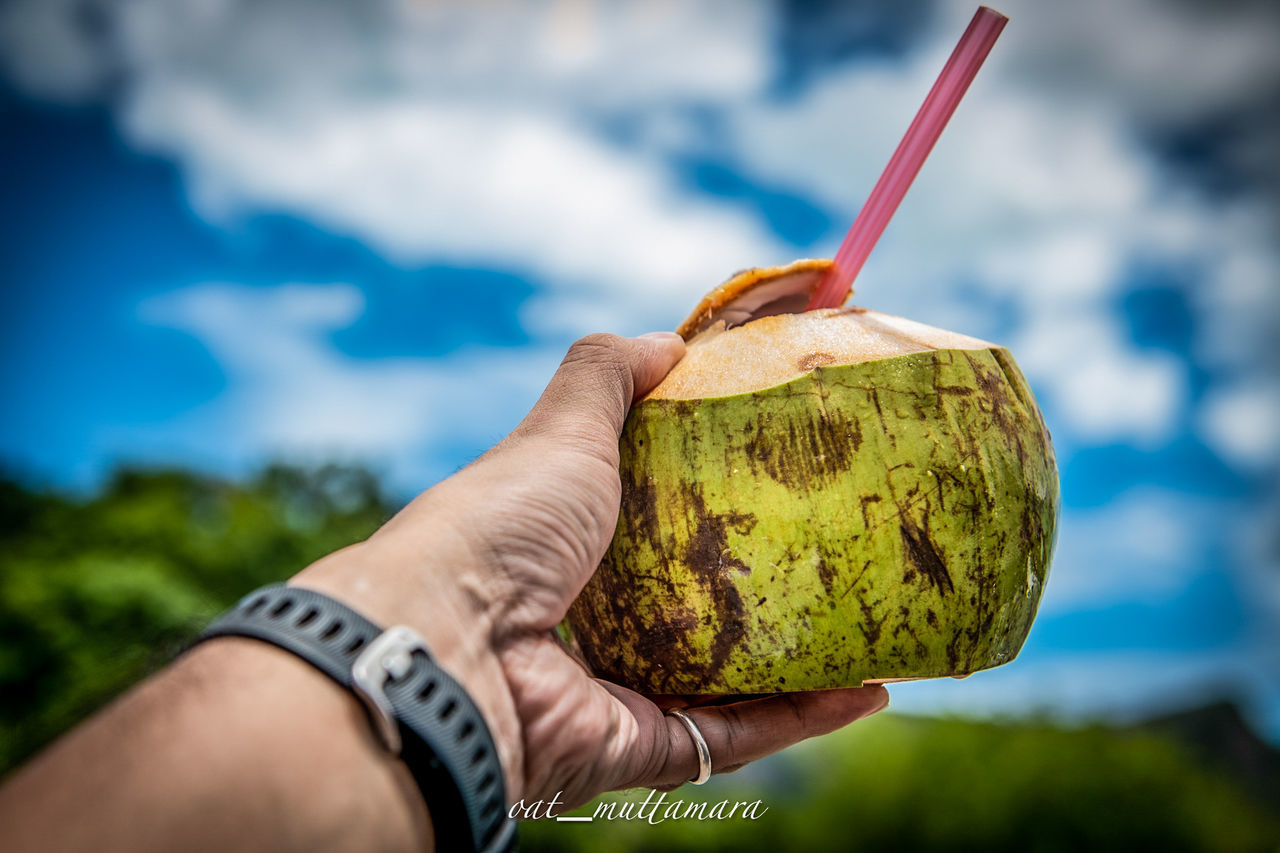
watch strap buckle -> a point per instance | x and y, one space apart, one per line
389 657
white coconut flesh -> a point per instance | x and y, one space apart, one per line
753 333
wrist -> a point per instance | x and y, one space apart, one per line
387 585
422 714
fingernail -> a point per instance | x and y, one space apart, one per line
669 336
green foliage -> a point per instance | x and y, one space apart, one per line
901 783
95 594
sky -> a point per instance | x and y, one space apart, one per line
239 231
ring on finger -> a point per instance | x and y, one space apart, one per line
700 744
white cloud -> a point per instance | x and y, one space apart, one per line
607 54
1100 387
1136 397
292 394
1242 422
545 197
1161 62
1137 547
1238 302
466 132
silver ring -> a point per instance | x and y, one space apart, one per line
699 742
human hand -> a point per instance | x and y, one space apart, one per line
486 564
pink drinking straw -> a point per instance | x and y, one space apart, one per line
915 146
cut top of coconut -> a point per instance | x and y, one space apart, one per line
725 358
759 292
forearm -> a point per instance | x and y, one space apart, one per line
237 746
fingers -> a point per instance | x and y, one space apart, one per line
745 731
599 378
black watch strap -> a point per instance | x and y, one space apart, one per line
421 712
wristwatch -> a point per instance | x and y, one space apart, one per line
419 711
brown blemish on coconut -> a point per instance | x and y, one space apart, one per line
805 455
815 359
870 625
827 576
924 557
713 566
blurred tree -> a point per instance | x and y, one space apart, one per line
903 783
95 594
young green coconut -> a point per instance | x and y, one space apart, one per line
816 499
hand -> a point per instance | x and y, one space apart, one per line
239 745
486 564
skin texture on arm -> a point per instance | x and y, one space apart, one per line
238 745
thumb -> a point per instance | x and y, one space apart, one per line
591 392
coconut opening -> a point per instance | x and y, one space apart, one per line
755 293
752 333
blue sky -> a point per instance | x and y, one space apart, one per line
241 232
